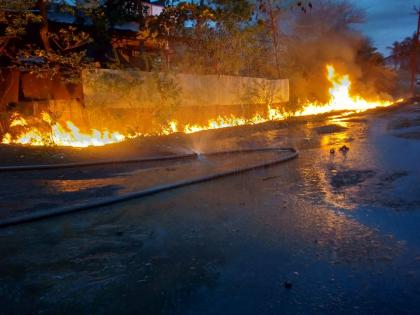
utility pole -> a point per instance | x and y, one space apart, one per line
414 52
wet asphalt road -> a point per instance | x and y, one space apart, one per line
341 230
26 192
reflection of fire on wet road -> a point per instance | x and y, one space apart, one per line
240 236
67 187
45 131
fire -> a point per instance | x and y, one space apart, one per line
171 128
340 98
273 114
68 134
223 122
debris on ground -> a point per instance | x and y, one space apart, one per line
344 149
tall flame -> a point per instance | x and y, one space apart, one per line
340 98
70 135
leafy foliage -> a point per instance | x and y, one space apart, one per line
27 43
402 52
224 37
30 42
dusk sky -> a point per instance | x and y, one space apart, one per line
388 20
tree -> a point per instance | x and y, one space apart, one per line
396 54
221 37
269 13
375 77
58 48
27 42
401 52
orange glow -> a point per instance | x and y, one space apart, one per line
69 134
340 98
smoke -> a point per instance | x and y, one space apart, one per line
326 35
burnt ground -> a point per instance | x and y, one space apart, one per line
323 234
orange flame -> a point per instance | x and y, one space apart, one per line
340 98
70 134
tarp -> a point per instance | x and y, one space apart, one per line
137 89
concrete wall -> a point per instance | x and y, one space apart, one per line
134 101
136 89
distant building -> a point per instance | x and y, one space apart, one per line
127 47
154 7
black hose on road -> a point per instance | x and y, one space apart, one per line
48 213
40 167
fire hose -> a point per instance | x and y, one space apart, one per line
48 213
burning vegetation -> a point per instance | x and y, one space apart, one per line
272 39
44 131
